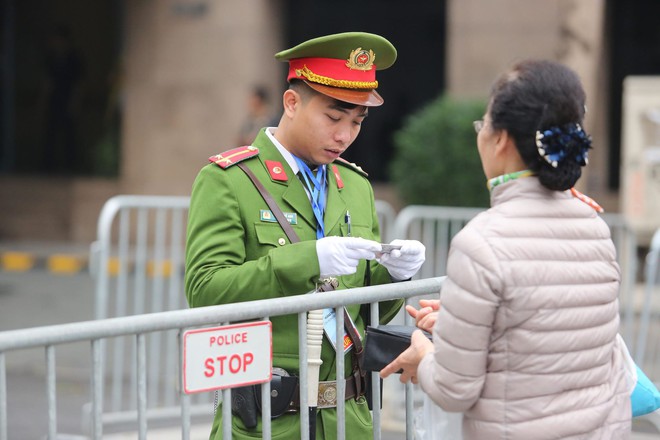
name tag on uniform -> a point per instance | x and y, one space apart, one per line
267 216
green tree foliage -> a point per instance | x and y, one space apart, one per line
436 161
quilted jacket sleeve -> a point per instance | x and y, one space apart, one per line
454 374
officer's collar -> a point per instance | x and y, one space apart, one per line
283 151
270 132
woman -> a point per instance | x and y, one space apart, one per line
525 341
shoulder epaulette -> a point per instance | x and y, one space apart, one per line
234 156
352 166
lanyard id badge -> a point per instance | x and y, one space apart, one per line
330 329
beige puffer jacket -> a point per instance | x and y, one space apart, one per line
525 341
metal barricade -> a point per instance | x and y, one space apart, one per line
647 352
138 265
625 242
139 326
434 226
386 217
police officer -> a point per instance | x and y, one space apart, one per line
237 250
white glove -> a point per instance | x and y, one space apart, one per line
341 255
403 264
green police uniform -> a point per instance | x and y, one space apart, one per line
236 251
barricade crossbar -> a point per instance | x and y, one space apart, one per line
139 325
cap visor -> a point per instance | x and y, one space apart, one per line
368 98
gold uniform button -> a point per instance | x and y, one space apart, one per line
281 241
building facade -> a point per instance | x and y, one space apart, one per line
184 70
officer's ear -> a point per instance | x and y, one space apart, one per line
291 101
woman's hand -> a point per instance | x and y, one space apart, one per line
409 360
427 314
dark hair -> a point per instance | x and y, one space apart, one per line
306 92
537 95
301 88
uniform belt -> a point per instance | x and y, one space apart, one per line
327 397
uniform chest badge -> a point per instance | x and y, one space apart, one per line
265 215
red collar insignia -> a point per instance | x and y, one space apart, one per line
276 171
340 183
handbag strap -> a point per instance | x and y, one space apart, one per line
277 212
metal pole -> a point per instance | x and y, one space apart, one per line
51 392
97 390
185 398
3 398
339 374
121 299
226 410
410 391
157 303
375 379
226 413
142 385
651 269
266 433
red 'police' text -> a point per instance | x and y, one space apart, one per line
235 338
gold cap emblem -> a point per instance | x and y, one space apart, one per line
361 59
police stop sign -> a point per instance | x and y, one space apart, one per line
227 356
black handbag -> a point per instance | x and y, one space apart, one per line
385 343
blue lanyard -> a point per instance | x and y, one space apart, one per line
317 187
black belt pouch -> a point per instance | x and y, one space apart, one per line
283 391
